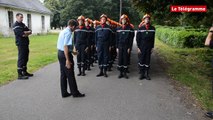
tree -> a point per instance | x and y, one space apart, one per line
54 6
160 11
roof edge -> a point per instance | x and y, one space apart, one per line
26 9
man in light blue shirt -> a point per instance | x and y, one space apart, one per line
66 62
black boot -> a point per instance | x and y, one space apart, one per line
127 70
105 72
110 67
25 73
83 72
88 67
21 76
101 73
121 75
125 75
147 74
79 74
142 74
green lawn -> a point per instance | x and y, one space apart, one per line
42 52
192 67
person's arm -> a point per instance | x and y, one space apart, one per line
153 40
66 53
18 31
209 37
138 40
67 39
27 31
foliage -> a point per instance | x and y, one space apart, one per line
192 68
71 9
160 11
182 37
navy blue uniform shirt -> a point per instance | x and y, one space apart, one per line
19 29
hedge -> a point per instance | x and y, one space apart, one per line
181 37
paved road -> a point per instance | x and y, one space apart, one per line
106 98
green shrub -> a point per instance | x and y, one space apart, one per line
181 37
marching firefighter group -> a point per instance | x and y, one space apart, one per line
102 41
94 42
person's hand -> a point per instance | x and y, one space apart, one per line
211 29
68 64
139 51
110 48
86 50
27 32
128 51
74 53
117 50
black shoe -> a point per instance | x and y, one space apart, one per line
120 76
78 95
209 114
110 69
22 77
126 76
83 74
100 74
142 77
79 74
105 75
148 78
66 95
27 74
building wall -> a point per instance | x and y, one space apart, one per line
36 21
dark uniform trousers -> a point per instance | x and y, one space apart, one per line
81 57
67 75
23 56
122 58
103 55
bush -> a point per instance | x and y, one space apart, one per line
182 37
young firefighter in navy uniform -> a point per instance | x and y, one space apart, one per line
103 39
81 44
124 39
22 42
145 41
90 31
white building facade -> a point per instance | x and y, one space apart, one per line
36 16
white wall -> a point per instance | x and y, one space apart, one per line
36 22
4 25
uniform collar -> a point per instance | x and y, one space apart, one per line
81 27
147 26
103 25
87 27
124 26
